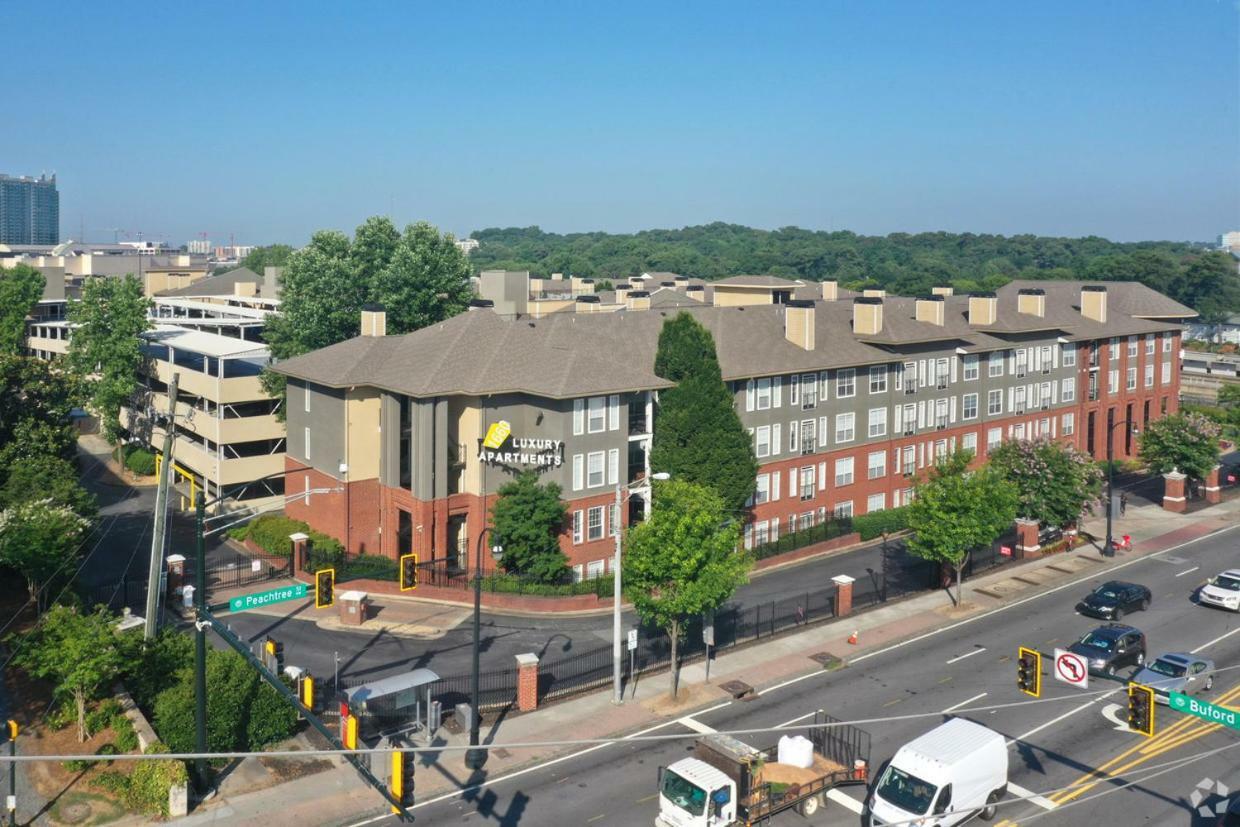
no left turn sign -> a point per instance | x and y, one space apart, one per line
1071 668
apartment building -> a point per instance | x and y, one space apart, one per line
847 397
29 210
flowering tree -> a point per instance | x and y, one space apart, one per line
1187 443
1055 483
39 538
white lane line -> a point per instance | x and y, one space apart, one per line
1069 585
1029 795
1188 571
1067 714
845 800
795 720
695 725
954 707
1216 640
541 765
976 651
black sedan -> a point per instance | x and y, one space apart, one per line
1110 648
1113 600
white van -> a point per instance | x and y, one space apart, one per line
950 774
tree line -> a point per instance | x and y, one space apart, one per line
902 263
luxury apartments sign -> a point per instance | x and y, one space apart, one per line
500 447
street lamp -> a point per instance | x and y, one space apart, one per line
1109 549
617 697
475 758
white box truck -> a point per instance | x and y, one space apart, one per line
950 774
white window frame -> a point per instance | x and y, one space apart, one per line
1166 373
969 442
593 513
844 472
305 442
1167 338
971 369
876 465
763 394
877 426
762 490
845 383
762 441
878 379
843 434
579 527
601 457
1149 374
1149 344
994 438
596 406
808 482
1132 347
1069 354
969 398
613 466
1113 381
844 509
994 364
876 502
1068 424
809 392
1067 389
579 471
1131 378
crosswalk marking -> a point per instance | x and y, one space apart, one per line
1030 796
845 800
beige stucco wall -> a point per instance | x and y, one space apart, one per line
362 433
729 296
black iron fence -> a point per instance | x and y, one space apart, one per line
446 573
825 529
232 570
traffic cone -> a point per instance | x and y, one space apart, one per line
853 638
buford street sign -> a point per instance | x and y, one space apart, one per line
253 601
1213 713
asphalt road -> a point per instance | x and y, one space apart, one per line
964 668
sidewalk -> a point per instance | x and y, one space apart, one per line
338 797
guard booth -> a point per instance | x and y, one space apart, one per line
395 705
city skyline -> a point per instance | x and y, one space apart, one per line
1068 121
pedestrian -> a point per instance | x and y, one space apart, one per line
1123 503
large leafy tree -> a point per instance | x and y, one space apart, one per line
78 652
698 436
20 290
1187 443
526 520
38 539
425 281
44 475
273 255
37 394
955 510
1055 483
105 351
683 561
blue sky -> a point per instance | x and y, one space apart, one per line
269 120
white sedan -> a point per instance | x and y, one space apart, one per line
1223 591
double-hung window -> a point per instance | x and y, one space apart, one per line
1020 399
994 402
1149 344
762 441
1069 424
994 438
969 441
941 373
875 502
1069 355
970 406
596 414
1067 390
994 364
878 422
578 527
877 465
1132 378
845 383
807 482
596 469
1022 362
762 493
1167 339
763 394
845 427
1149 375
1132 347
910 377
878 379
1166 373
940 414
970 367
808 442
844 471
910 420
1113 381
909 460
594 523
809 392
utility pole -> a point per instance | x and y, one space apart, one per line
201 622
161 509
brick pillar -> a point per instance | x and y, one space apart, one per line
176 573
1027 542
843 594
1173 492
1214 494
527 682
299 541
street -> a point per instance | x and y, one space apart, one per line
964 668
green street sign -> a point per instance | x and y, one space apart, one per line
253 601
1205 710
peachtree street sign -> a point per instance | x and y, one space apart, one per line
1213 713
253 601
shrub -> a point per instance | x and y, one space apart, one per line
147 790
875 523
139 460
111 781
101 716
270 533
62 715
126 735
150 668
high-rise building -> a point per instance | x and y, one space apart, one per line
29 210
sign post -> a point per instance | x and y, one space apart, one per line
708 637
633 658
1214 713
1071 668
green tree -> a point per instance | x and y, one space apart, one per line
105 351
698 436
1055 483
20 290
1187 443
34 391
45 476
273 255
526 520
683 561
425 281
955 510
38 539
77 651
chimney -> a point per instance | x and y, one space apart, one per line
868 315
245 289
799 323
930 309
578 285
830 291
637 282
557 276
1094 303
697 292
374 320
874 294
670 284
481 304
638 300
943 290
1031 300
622 292
681 282
588 303
983 308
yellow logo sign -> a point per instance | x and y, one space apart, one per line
496 434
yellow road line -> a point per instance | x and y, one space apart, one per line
1183 731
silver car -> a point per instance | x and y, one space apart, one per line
1177 672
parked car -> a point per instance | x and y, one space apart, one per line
1177 672
1111 647
1222 590
1112 600
1232 817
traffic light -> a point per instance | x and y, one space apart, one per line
324 588
273 651
401 782
350 732
408 572
1141 709
1029 671
10 731
305 691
